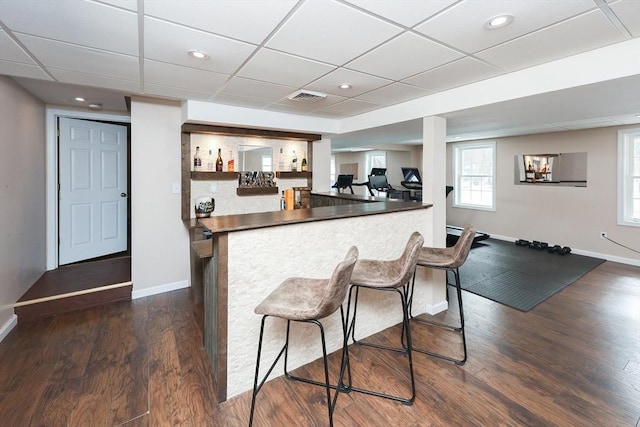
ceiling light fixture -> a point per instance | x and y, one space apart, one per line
345 86
95 106
499 21
79 99
198 54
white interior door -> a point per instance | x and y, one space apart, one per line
92 190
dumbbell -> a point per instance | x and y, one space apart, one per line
538 245
554 248
564 251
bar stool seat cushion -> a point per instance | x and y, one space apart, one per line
377 274
436 257
448 258
297 298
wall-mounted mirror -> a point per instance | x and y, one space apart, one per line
568 169
255 158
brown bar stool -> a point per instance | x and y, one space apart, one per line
394 276
306 300
450 260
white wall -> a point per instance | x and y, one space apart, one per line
567 216
159 240
22 195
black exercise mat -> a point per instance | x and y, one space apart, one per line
518 276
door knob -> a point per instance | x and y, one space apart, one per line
123 194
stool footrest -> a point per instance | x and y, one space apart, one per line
442 356
381 346
439 324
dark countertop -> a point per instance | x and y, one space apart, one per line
228 223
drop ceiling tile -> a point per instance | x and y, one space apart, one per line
11 51
627 119
124 4
280 108
407 13
73 77
403 56
393 94
259 90
275 67
457 73
351 107
63 93
250 21
360 83
67 56
170 43
175 93
628 11
175 76
331 32
581 34
85 25
586 123
9 68
462 26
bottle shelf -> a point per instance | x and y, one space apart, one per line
293 175
213 176
256 191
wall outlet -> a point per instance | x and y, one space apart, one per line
603 235
175 188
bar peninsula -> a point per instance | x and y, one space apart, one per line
253 253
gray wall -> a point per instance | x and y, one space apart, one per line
558 215
22 194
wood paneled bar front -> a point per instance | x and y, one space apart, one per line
254 253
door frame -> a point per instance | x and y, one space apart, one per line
52 115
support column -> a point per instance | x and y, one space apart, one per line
434 170
321 165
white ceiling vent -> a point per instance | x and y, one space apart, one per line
307 96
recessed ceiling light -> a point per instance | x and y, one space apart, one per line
95 106
79 99
198 54
498 22
345 86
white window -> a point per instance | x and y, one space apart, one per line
376 159
267 164
475 172
333 169
629 177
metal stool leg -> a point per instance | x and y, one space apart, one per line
455 328
406 333
331 403
344 365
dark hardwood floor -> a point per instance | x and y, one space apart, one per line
574 360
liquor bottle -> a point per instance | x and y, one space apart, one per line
294 162
281 161
283 204
231 164
303 166
210 161
219 162
197 160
